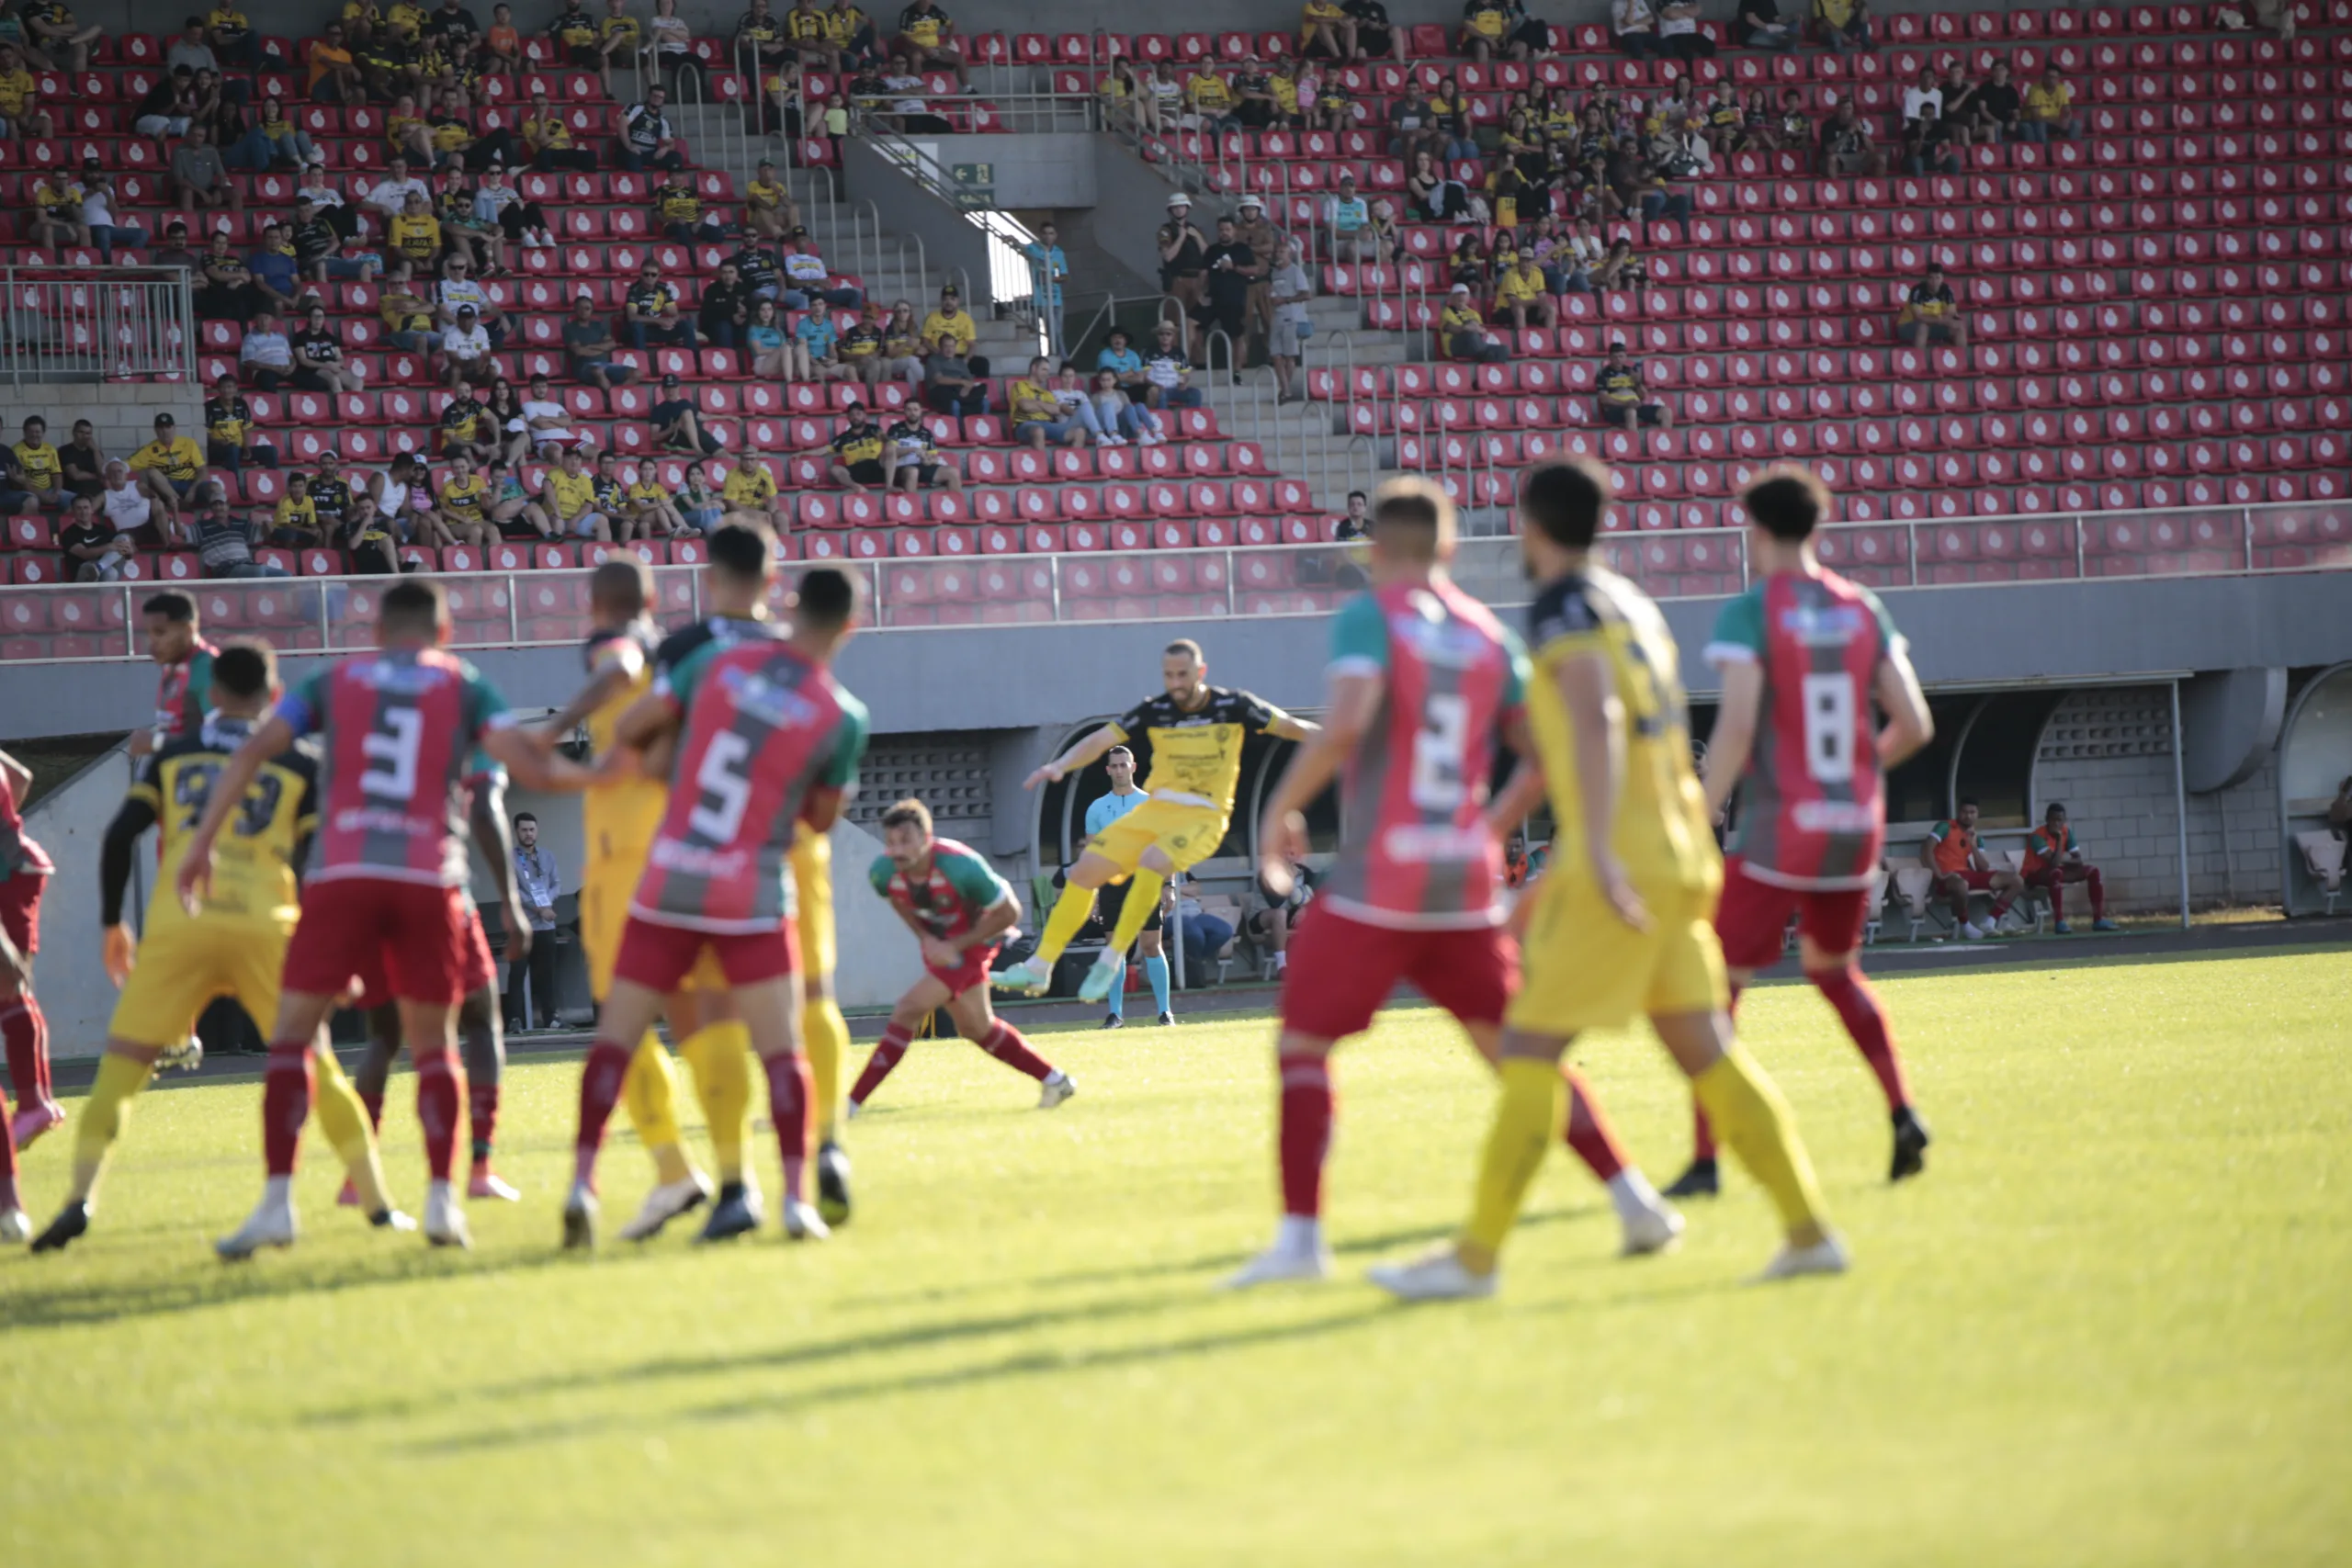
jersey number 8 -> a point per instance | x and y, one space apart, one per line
1829 707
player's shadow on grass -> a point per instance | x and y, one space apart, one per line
1025 1364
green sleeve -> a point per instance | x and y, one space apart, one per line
1940 832
1889 639
199 686
880 872
1739 630
1360 637
485 709
678 682
975 881
849 748
1516 671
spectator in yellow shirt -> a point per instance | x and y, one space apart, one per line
750 496
2049 111
569 497
1521 297
20 116
1326 31
951 321
1038 417
1208 102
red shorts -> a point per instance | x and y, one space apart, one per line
1752 917
407 941
480 968
1978 881
1341 969
979 964
659 957
21 910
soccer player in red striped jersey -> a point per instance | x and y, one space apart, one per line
1424 681
1802 654
387 886
25 871
768 745
961 911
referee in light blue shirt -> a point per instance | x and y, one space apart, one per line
1125 798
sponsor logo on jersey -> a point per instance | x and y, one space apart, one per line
1823 626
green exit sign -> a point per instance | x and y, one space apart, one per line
978 176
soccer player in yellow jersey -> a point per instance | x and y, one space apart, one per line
1195 732
234 947
1623 919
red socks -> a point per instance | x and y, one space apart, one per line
481 1115
1307 1107
1589 1134
26 1033
286 1085
1858 1008
1005 1043
790 1091
895 1041
436 1110
600 1090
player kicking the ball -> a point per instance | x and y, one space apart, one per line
1621 923
768 748
386 888
1803 653
1195 731
1424 680
961 911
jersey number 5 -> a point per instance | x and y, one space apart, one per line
1829 707
727 794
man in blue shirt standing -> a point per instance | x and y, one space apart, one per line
1106 809
540 883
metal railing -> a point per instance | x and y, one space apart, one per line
64 323
77 622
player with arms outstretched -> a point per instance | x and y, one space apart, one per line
768 746
1424 680
1195 731
961 912
389 886
1802 654
1621 923
234 947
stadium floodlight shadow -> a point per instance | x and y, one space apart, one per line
1042 1362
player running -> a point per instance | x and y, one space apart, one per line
768 746
25 870
1195 731
1424 680
234 947
961 912
389 884
1801 653
482 1026
1620 921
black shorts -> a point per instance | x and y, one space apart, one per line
867 471
1110 899
516 527
925 473
1644 414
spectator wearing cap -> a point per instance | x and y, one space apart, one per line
1931 313
465 349
168 468
1621 397
677 424
1118 357
651 313
769 211
952 322
232 437
1464 331
808 280
1168 374
1183 262
589 348
1346 217
1255 229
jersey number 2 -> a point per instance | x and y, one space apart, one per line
1441 751
1829 728
727 794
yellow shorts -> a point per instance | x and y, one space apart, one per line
183 964
1187 835
812 886
606 885
1584 968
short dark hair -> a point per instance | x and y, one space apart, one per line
621 582
825 600
413 604
909 812
245 669
1566 497
1187 646
177 608
1969 800
742 549
1120 752
523 816
1787 502
1412 516
2055 808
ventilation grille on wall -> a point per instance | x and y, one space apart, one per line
947 772
2092 726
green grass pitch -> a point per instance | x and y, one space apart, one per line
2108 1326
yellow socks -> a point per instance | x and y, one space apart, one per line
824 1035
721 1058
1143 898
1528 1118
650 1093
1069 913
345 1122
100 1123
1749 1114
